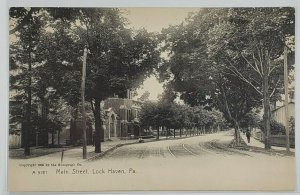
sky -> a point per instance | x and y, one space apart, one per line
154 20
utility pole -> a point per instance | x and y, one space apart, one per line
286 101
83 100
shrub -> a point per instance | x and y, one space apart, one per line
276 127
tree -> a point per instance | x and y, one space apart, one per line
21 16
199 78
250 120
250 41
144 97
148 116
226 50
155 114
118 59
61 69
37 56
182 119
23 61
276 128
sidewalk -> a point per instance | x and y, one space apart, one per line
69 155
255 143
74 154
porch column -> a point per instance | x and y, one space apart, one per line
109 118
115 128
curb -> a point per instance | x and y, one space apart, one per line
98 156
270 152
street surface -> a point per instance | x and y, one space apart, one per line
202 162
199 146
202 146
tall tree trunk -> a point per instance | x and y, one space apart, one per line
52 138
58 137
99 131
237 135
266 104
74 116
174 133
235 123
36 139
180 132
157 136
166 131
28 112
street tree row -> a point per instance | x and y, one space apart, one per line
230 59
168 114
46 52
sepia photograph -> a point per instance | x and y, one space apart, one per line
151 99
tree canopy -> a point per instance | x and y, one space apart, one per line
229 58
118 58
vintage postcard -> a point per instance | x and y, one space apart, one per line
155 99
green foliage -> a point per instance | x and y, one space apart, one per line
40 62
52 40
148 114
276 127
250 119
230 58
198 74
249 43
61 63
40 124
176 116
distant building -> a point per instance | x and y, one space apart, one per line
15 125
279 113
121 117
120 120
37 136
16 109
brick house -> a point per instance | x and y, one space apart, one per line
121 118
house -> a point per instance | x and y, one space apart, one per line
15 114
121 118
15 125
279 113
39 135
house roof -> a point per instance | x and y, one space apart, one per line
281 107
117 104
